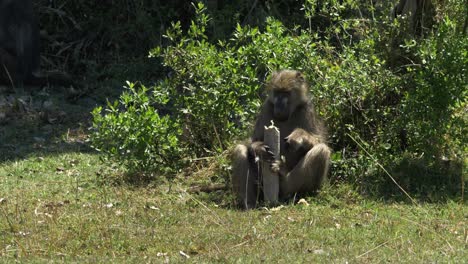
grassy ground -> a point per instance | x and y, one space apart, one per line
58 207
58 201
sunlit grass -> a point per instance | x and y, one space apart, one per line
62 207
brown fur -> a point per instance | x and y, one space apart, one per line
306 155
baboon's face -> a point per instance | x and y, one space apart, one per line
287 90
281 105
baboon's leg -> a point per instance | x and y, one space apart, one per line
308 174
244 178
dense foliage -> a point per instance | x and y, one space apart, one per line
390 99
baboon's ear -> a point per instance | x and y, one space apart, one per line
299 76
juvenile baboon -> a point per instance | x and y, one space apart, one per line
305 154
19 47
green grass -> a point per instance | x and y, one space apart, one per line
65 207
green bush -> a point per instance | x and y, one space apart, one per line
438 92
379 114
133 133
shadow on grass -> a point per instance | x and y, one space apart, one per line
43 123
55 120
424 183
413 181
420 181
426 180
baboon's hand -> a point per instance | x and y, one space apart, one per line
260 151
279 166
276 166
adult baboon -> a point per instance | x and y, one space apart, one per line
19 47
305 155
